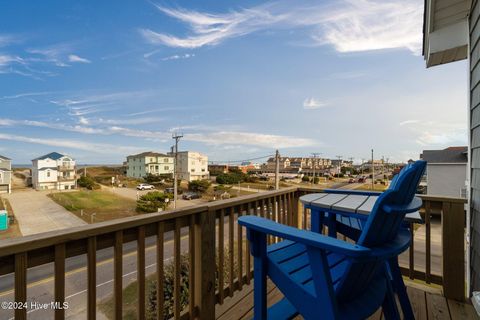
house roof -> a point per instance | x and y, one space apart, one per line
448 155
52 155
445 31
4 158
148 154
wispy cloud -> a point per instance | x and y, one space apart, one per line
312 103
72 144
251 139
348 25
75 58
406 122
179 56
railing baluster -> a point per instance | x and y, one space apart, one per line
240 249
191 271
60 280
285 213
231 252
92 278
247 247
160 271
177 271
427 242
411 255
221 255
141 272
118 275
21 284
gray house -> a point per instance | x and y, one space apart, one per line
446 171
451 32
5 175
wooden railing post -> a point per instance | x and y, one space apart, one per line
205 265
453 239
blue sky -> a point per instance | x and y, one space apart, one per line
103 79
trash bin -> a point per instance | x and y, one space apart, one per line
3 220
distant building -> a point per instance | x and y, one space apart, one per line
54 171
5 175
192 165
218 168
142 164
446 171
297 163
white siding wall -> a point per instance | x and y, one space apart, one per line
446 179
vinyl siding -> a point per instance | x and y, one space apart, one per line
475 145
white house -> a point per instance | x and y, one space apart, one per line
5 175
192 166
446 171
54 171
140 165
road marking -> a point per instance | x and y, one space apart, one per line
109 260
99 285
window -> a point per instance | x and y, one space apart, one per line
165 160
48 174
203 170
166 168
192 170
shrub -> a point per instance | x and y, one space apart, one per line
306 178
88 183
200 186
168 285
316 180
152 201
230 178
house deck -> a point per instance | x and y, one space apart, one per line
427 303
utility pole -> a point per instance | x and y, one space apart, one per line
363 160
339 164
177 138
373 173
314 154
277 170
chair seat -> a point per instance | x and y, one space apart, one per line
292 260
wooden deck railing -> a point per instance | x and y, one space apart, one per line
217 249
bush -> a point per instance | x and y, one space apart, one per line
153 201
156 179
200 186
230 178
88 183
168 285
316 180
305 178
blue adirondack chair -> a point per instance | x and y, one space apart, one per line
326 278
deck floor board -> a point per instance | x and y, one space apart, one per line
425 304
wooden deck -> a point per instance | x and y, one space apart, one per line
427 303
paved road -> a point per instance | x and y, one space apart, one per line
37 213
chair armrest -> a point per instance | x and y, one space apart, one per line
357 192
413 206
308 238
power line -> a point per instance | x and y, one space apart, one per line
244 160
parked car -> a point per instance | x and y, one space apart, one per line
168 190
190 196
145 186
351 180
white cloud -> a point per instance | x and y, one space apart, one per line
249 138
73 144
406 122
312 103
75 58
179 56
348 25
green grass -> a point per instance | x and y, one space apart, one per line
104 204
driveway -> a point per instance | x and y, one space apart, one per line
37 213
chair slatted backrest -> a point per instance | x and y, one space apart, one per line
380 228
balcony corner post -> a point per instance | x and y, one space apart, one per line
205 265
453 238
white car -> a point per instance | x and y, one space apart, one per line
144 186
